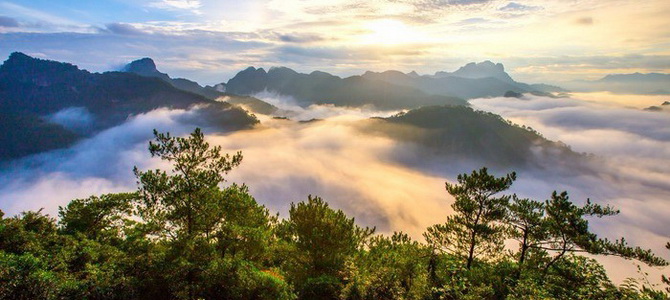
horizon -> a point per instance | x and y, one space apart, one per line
268 69
209 41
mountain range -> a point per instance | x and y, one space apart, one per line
147 67
48 105
44 104
474 80
635 83
385 90
323 88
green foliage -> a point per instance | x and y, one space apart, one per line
183 236
475 230
392 268
188 201
525 219
98 218
321 241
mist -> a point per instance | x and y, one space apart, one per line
378 180
76 119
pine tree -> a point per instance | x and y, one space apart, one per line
475 229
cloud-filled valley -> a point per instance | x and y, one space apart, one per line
319 134
374 177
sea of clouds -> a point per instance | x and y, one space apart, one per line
369 177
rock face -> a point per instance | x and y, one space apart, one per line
483 69
145 67
33 89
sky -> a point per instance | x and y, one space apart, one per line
550 41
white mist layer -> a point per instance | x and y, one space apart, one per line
284 161
631 172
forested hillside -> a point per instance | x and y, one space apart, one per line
181 235
33 92
461 134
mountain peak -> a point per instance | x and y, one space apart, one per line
19 56
23 66
145 67
281 71
483 70
485 66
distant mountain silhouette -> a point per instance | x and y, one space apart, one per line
664 107
480 70
323 88
147 67
461 133
637 77
635 83
32 89
474 80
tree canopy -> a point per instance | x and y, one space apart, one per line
184 234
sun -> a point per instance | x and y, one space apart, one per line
388 32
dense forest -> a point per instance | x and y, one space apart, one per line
182 235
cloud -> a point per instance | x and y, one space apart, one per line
207 57
465 2
447 3
8 22
34 14
516 7
188 5
299 38
472 21
584 21
284 162
630 171
77 119
380 181
123 29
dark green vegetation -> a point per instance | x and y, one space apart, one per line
18 133
182 236
461 133
32 89
323 88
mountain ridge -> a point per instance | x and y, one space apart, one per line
32 89
474 80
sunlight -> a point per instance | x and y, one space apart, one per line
389 32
